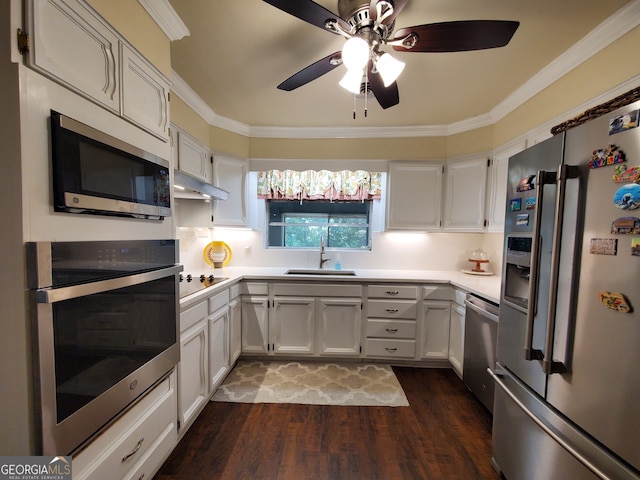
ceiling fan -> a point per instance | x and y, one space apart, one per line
368 26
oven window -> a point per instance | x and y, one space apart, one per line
100 339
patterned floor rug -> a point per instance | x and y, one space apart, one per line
312 383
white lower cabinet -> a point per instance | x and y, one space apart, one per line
339 326
193 369
255 317
292 326
135 445
456 338
435 333
235 328
218 347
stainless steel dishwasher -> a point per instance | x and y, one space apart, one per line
480 336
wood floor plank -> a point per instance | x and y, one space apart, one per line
445 434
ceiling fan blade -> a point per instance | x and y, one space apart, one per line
310 12
386 96
457 36
313 71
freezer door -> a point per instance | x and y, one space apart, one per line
531 441
600 391
527 260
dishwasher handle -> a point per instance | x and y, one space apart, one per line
481 311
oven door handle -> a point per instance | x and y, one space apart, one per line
53 295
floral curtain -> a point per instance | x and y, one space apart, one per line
319 185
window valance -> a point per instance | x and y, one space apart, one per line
319 185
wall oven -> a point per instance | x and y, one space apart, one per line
105 321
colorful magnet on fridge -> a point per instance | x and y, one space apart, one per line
515 204
526 184
606 156
627 197
522 219
635 247
603 246
626 226
615 301
530 203
623 122
623 174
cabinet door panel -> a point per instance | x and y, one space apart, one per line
340 320
466 195
456 336
435 333
218 348
231 175
193 371
293 331
255 324
67 36
235 331
193 157
145 96
415 196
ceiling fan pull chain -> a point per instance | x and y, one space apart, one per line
366 90
354 106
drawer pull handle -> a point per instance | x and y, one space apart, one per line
134 451
392 330
390 349
392 292
392 310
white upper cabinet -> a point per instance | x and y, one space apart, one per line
193 157
414 196
71 44
145 96
230 174
498 173
465 194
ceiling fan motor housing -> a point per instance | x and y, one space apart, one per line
356 14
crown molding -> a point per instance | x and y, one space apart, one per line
613 28
166 17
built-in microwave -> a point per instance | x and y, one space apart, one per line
96 173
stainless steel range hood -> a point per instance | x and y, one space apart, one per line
187 186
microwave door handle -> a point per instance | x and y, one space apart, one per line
548 364
542 178
53 295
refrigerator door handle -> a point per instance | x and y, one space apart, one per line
550 366
543 178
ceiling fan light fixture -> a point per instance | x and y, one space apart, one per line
355 53
352 80
389 68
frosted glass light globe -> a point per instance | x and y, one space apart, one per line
355 53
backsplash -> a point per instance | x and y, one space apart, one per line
390 250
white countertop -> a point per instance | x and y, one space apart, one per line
487 287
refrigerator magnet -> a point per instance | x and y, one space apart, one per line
635 247
607 156
522 219
627 197
623 122
526 184
623 174
615 301
515 204
626 226
603 246
530 203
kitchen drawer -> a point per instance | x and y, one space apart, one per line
392 308
150 424
378 347
254 288
219 300
317 290
193 315
150 463
391 328
393 291
437 292
234 291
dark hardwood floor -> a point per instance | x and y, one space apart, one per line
445 434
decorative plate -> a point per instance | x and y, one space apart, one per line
208 254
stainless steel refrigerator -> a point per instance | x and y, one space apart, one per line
567 401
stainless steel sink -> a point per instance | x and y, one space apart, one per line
348 273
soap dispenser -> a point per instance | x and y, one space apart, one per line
338 264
